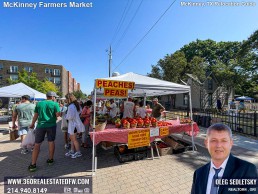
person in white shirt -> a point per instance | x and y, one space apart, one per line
75 125
223 165
112 108
128 108
141 111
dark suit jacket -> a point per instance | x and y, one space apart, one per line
235 168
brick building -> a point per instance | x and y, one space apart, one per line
55 73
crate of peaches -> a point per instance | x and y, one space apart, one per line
185 120
139 122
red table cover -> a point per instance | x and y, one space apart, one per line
120 135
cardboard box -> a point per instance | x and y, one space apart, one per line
172 143
106 145
164 149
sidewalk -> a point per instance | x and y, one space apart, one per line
169 174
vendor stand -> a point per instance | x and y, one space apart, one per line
113 134
135 85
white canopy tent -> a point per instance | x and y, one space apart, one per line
144 86
148 86
20 89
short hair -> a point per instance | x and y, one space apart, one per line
26 97
219 127
89 103
155 99
141 103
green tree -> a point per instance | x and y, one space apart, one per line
79 94
251 44
248 60
49 86
223 59
205 49
31 80
175 66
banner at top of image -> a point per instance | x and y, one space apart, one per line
101 83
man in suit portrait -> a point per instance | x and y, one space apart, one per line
223 164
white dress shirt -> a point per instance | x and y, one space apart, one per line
212 173
113 110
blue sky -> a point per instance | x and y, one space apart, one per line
78 38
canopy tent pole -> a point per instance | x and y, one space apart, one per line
191 116
144 101
94 165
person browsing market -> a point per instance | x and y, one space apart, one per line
157 109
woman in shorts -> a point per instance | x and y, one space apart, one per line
74 125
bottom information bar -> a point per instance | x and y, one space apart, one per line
48 184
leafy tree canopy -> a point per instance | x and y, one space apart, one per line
234 64
79 95
32 81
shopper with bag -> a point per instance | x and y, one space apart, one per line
74 125
46 112
29 140
24 112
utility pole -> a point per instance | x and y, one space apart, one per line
109 61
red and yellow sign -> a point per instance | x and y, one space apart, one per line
139 138
163 131
101 83
111 92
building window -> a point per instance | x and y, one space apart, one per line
28 69
210 84
48 70
210 99
14 77
1 77
57 80
14 69
1 66
50 79
185 99
56 72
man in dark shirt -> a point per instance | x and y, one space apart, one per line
157 109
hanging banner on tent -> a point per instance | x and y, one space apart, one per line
139 138
111 92
101 83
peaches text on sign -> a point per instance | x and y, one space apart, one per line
114 84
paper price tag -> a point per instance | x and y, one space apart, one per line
154 132
163 131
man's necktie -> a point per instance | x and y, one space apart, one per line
214 188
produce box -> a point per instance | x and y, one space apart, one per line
106 145
141 149
164 149
140 155
176 145
124 154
